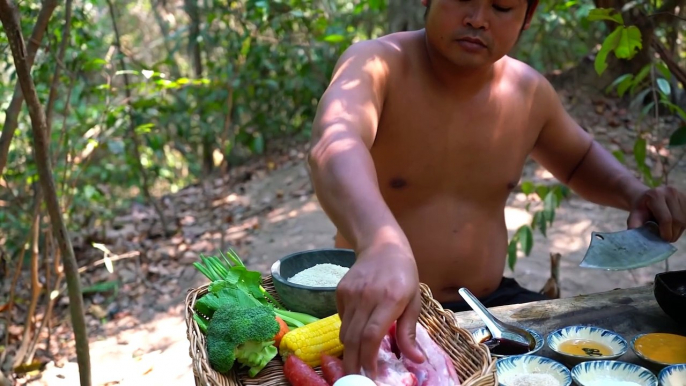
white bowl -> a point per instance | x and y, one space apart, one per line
531 364
666 337
612 340
674 375
482 334
600 373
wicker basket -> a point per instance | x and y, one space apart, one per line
472 361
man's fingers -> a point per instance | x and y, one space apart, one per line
676 214
377 327
660 210
637 218
352 338
406 331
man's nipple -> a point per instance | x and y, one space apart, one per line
398 183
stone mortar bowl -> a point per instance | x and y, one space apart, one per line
316 301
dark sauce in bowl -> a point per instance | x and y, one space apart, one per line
506 347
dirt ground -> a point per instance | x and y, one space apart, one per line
283 216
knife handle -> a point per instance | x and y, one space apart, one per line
652 226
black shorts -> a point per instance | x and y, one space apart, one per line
509 292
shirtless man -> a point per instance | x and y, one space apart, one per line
417 143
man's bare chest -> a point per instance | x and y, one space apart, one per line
440 146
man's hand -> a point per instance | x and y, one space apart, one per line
380 288
664 205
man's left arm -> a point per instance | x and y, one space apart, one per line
578 161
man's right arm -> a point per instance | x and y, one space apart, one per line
344 129
368 298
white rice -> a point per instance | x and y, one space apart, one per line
531 380
321 275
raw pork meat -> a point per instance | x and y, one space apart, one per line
437 369
390 370
395 370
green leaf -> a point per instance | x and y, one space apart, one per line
629 42
542 191
542 223
526 238
334 38
609 14
609 44
549 205
664 70
512 253
527 187
664 86
678 138
619 155
675 109
621 80
640 151
647 108
639 78
257 144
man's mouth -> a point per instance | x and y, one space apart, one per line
472 40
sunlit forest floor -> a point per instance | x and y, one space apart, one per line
265 210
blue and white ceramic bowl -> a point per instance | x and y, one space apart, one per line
483 334
518 365
674 375
612 340
602 373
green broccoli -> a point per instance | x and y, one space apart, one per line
244 334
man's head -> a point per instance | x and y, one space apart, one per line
474 33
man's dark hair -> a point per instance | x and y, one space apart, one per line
529 3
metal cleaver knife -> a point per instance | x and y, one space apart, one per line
628 249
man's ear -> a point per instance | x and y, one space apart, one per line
529 14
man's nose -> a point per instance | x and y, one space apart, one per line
477 15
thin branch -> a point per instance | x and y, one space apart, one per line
13 110
667 14
59 274
60 59
114 258
676 70
35 293
13 287
9 16
132 126
50 298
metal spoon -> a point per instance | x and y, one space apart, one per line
499 330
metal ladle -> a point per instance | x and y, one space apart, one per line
505 333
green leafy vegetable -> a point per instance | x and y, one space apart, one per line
244 335
233 284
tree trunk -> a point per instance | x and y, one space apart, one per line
405 15
9 16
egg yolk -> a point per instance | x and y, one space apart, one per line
585 347
665 348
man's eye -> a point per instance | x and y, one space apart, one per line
501 9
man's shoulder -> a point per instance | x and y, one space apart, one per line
390 49
525 78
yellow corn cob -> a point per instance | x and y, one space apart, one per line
311 340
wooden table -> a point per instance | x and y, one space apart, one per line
628 312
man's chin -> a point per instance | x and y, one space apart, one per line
469 61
